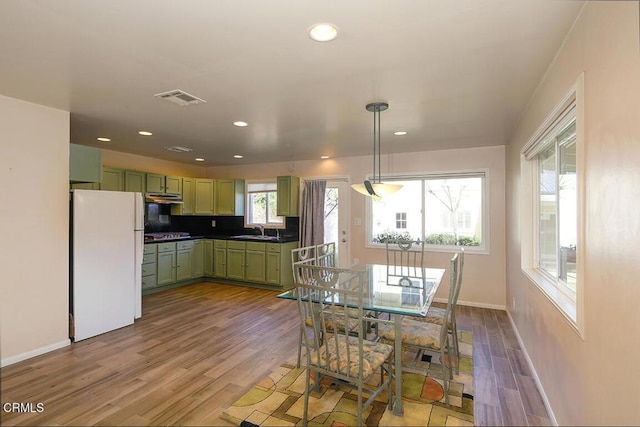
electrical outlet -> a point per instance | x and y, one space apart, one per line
357 221
213 223
356 261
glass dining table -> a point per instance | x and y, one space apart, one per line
396 292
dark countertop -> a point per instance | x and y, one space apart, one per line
245 238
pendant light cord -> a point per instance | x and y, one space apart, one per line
376 125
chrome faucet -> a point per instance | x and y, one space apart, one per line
261 228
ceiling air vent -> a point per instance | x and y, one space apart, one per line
178 149
180 97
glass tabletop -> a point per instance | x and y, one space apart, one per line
409 293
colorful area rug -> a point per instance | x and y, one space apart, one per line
279 399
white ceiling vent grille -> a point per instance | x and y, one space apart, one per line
178 149
180 97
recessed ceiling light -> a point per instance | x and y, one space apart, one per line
240 124
400 133
104 139
199 159
145 133
324 157
324 32
238 156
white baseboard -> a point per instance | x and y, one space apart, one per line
33 353
545 400
474 304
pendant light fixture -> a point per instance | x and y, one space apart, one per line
375 188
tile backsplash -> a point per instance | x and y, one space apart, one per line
158 218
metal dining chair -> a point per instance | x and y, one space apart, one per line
427 337
335 296
437 314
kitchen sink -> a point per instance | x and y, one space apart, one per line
255 237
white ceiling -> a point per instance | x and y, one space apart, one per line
456 73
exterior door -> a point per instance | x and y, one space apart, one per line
336 219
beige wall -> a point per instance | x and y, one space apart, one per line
34 223
591 381
484 276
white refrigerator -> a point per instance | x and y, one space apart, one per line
106 244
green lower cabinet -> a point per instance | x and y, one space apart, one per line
279 271
208 258
184 265
149 267
235 261
197 259
273 268
166 268
220 258
166 263
255 262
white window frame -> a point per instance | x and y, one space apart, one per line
402 219
248 215
483 249
569 305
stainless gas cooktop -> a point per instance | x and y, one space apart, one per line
169 235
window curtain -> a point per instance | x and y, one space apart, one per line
312 217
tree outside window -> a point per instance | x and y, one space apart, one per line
262 202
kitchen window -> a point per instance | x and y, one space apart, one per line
551 223
262 200
447 210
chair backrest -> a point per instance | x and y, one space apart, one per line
326 254
303 255
333 296
455 283
405 257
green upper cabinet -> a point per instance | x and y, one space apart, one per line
288 190
134 181
173 185
229 198
188 197
203 200
157 183
112 179
85 164
154 182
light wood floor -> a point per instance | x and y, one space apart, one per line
197 349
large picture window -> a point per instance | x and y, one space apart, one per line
551 179
262 200
446 210
555 226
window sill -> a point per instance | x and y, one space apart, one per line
478 250
563 302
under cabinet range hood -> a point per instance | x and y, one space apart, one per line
163 199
